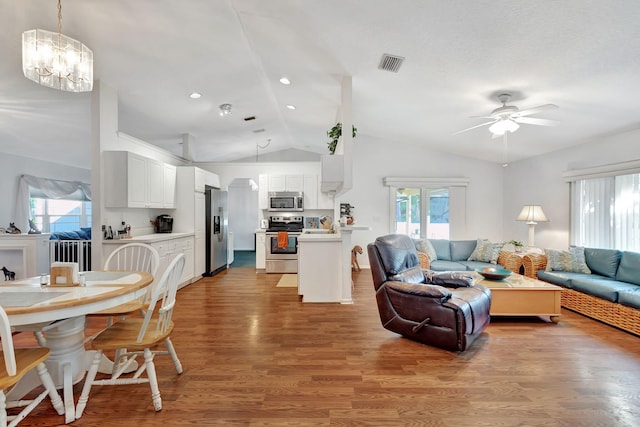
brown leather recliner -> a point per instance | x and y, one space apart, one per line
443 309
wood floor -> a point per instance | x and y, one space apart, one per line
254 355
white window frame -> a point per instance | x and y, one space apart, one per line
457 188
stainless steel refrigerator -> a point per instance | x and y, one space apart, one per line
216 241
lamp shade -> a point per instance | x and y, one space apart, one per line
532 213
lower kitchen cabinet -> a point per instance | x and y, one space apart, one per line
167 245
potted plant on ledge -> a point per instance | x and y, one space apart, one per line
334 135
517 245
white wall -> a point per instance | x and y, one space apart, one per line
375 159
11 167
540 181
243 219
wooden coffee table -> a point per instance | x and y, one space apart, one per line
518 295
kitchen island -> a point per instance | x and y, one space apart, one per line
324 265
320 266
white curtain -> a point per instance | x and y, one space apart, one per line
32 186
605 212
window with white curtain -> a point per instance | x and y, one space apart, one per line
605 212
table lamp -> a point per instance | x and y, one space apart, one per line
532 214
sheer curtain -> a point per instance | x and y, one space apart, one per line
605 212
32 186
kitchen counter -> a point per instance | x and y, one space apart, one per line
149 238
315 235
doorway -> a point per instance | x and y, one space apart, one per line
243 211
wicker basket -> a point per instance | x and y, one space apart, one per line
611 313
425 262
532 263
510 261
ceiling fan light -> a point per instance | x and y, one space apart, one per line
502 126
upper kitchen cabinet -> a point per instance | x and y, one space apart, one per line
134 181
286 183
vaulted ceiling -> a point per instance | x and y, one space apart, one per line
582 55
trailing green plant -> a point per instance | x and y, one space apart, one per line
334 135
515 243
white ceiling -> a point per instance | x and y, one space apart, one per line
582 55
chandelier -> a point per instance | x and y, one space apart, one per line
57 61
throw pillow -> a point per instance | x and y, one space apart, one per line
425 246
486 251
570 261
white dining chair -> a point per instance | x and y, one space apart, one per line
140 337
131 257
15 363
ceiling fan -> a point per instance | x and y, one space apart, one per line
509 117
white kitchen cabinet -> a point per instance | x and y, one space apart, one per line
168 249
261 251
134 181
310 192
263 192
169 186
320 268
286 183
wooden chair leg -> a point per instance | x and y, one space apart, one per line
47 382
153 379
172 352
88 382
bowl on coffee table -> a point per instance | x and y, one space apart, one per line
494 273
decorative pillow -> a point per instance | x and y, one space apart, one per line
570 261
425 246
449 279
486 251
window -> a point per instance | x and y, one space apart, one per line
422 212
54 215
433 208
605 212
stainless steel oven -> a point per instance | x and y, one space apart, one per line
282 258
282 254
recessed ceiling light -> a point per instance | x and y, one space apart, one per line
291 107
195 95
285 81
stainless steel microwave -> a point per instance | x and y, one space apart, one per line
286 201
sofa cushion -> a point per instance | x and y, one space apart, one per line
441 265
600 286
473 265
630 297
603 261
442 248
629 268
425 246
66 235
486 251
462 249
571 260
560 278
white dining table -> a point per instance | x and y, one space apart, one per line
59 312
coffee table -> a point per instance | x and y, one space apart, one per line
518 295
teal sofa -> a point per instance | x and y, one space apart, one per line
453 255
609 293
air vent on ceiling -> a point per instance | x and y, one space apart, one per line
390 62
248 119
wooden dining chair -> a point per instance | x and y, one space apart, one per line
15 363
131 257
140 337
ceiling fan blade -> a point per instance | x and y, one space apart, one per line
535 121
474 127
533 110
